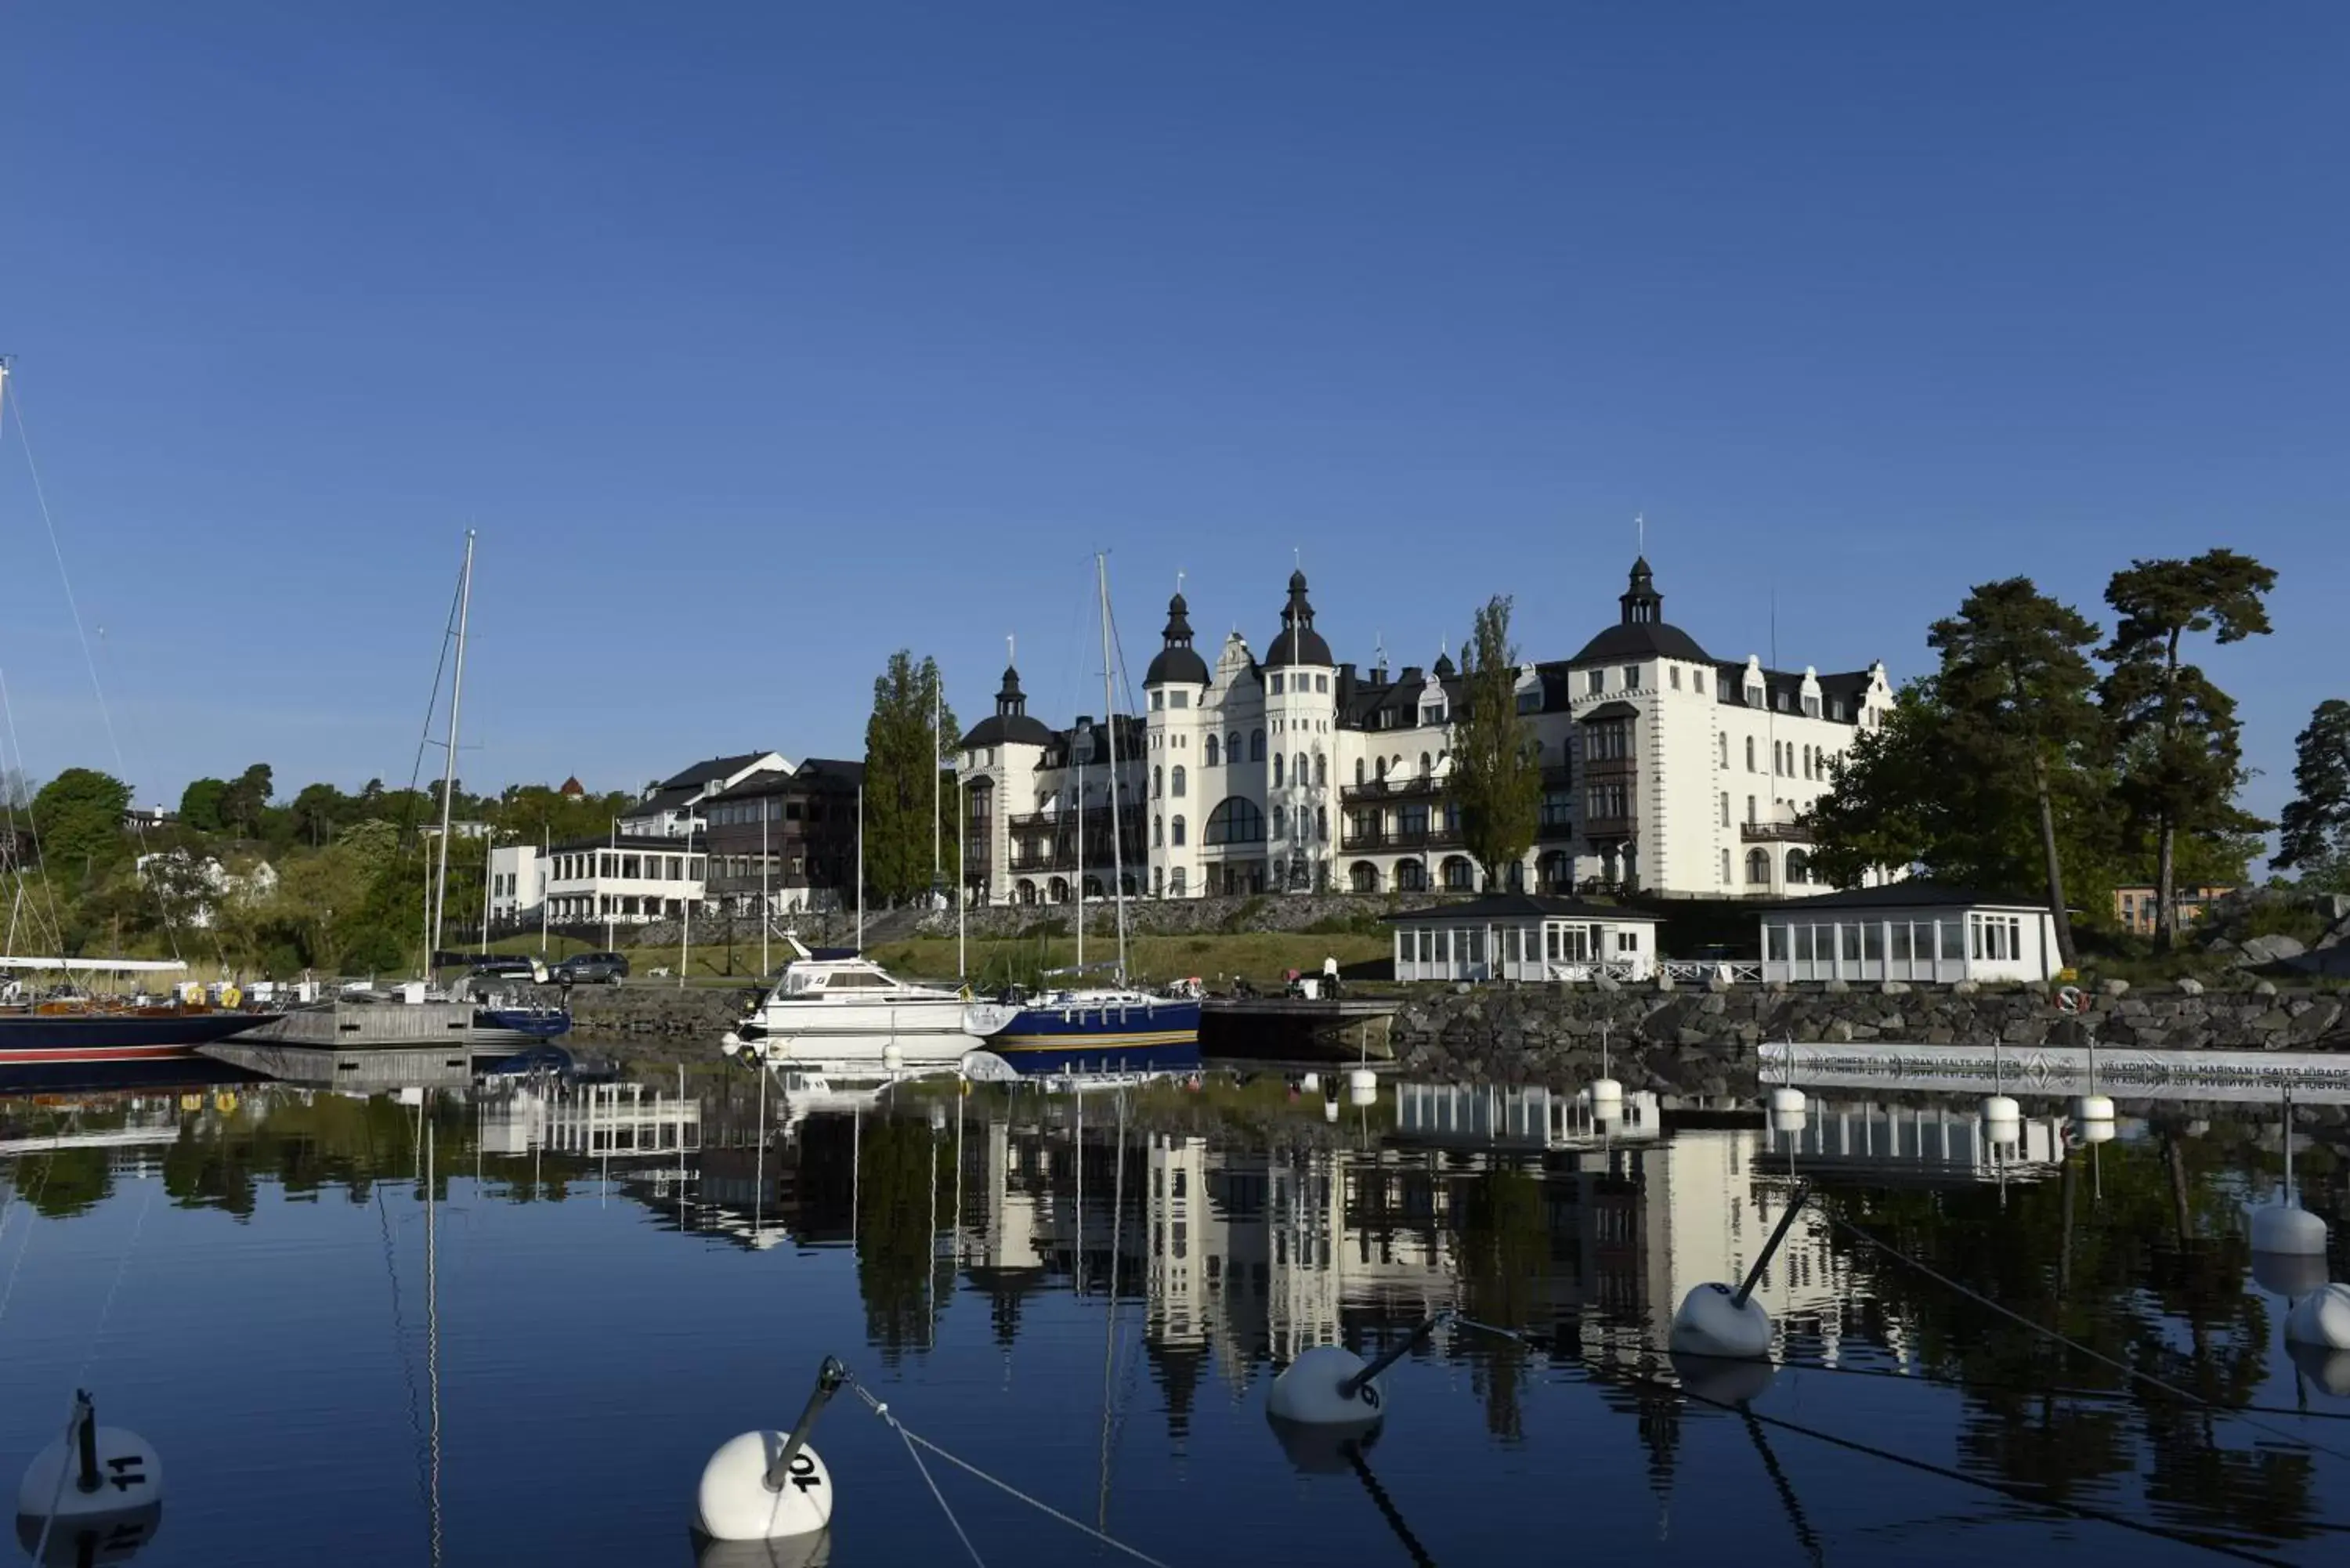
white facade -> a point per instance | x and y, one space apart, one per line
1030 793
1911 932
517 881
625 880
1520 936
1664 769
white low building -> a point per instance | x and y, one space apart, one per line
1523 936
625 880
1916 932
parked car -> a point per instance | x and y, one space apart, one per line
505 967
584 969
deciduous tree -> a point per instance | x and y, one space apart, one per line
1496 780
78 818
2179 751
2315 837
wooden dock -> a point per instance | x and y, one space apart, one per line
1297 1028
368 1045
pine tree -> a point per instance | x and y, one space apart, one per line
2314 839
909 740
2015 682
2179 750
1496 779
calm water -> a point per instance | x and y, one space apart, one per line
534 1365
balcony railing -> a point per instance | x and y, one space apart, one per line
1400 788
1774 833
1428 838
1604 828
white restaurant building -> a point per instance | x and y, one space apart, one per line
1664 770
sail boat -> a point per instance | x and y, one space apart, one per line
1115 1028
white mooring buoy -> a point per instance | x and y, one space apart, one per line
1724 1380
1718 1320
2087 1109
2321 1319
1362 1087
2284 1226
786 1551
1330 1385
96 1492
1310 1085
2001 1110
2092 1132
1789 1102
765 1485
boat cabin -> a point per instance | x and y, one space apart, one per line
1523 936
1917 933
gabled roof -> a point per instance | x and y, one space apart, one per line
814 776
716 768
669 798
1524 907
1917 894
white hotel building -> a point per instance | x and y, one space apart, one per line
1664 770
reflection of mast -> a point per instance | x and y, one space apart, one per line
431 1341
1110 1335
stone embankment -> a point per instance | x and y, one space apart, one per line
1702 1040
646 1019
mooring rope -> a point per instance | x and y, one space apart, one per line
882 1410
65 1468
916 1440
2148 1378
1626 1375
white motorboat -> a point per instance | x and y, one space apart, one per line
847 1014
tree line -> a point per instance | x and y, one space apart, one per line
344 891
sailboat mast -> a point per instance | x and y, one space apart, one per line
1078 741
449 772
860 866
1109 717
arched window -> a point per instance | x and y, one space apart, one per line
1758 868
1211 751
1518 874
1799 866
1411 877
1460 876
1725 863
1276 770
1363 876
1158 831
1322 823
1256 745
1158 777
1280 823
1233 749
1175 783
1750 754
1424 767
1321 771
1383 770
1235 820
1178 831
1725 749
1358 773
1297 773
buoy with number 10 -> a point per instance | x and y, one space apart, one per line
765 1485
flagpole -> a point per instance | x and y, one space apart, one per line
766 899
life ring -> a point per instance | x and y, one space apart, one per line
230 996
2069 999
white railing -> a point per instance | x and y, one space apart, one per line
1620 969
1697 970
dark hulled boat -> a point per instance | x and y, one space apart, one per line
82 1034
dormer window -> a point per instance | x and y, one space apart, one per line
1755 694
1810 707
1432 712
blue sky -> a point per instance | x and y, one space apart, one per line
760 340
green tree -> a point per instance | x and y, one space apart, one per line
2315 837
318 811
1496 780
200 804
244 799
78 818
2016 681
2178 748
909 740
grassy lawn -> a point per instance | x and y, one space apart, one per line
1263 956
